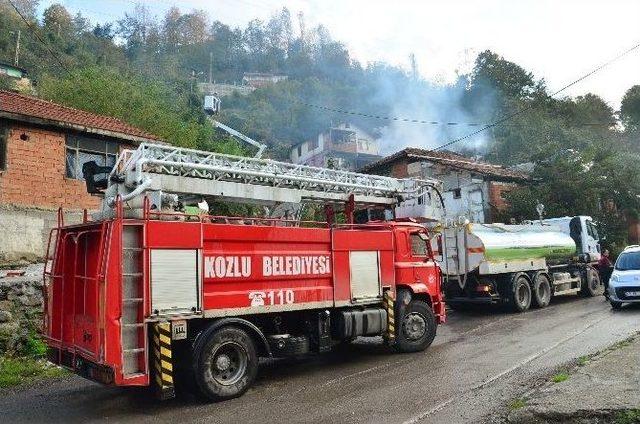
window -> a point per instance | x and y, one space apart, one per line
4 136
418 245
81 149
591 230
457 193
300 150
628 261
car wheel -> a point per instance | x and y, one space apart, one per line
416 328
590 282
541 289
226 365
616 305
520 294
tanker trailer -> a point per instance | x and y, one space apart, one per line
515 265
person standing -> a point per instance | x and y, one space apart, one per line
605 268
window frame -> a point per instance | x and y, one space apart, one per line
73 143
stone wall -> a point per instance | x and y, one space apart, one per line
21 305
24 233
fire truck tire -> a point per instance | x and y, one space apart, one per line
227 364
590 282
416 328
520 296
541 290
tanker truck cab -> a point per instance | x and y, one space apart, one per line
520 266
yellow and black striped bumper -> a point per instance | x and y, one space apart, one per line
163 360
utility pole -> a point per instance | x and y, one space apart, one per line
210 67
15 61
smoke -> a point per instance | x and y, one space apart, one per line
452 106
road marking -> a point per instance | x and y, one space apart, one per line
509 370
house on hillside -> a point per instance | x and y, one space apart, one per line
12 71
43 146
344 146
471 188
259 79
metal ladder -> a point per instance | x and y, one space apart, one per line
189 171
134 330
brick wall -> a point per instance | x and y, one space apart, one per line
497 194
35 173
399 170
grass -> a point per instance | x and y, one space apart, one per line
582 361
15 371
560 377
517 404
28 364
628 417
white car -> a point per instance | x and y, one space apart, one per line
624 285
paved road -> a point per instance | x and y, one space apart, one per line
479 361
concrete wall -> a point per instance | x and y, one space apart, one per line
24 233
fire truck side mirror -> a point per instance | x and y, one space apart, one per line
90 170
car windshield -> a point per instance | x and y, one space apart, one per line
628 261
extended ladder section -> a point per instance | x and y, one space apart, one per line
187 172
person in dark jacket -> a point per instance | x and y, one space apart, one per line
605 268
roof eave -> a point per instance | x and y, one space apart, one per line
67 125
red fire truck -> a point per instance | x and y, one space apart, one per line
146 294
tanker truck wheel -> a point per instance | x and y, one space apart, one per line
227 364
541 290
415 326
520 296
590 282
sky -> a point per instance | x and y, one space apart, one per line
557 40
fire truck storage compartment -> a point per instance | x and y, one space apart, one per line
363 264
175 281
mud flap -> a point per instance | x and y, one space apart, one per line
163 361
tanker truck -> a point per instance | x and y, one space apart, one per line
518 266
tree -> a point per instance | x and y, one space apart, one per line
630 108
57 21
147 104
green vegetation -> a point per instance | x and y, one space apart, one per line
582 361
15 371
517 404
627 417
28 364
560 377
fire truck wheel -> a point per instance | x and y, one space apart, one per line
520 294
590 282
227 364
541 290
417 327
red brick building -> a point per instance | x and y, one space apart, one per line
42 148
472 188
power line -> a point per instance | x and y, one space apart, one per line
423 121
530 106
37 36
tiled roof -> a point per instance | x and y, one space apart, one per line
29 108
450 159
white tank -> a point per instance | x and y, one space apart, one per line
470 246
